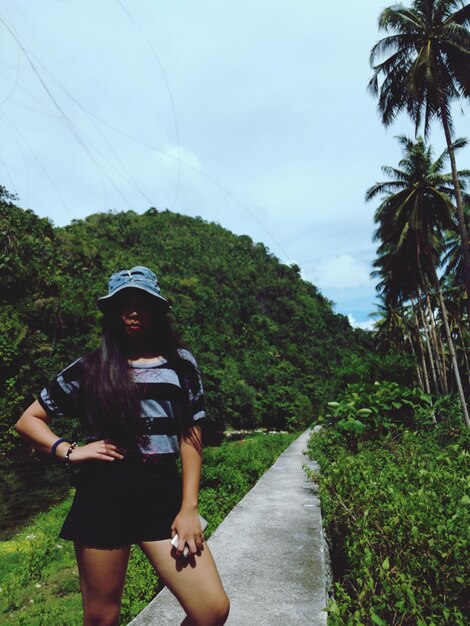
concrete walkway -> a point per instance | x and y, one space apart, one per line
274 570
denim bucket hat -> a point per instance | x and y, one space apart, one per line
138 277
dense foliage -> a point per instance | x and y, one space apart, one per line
268 342
40 584
368 411
396 510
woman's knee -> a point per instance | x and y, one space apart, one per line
217 612
223 609
102 616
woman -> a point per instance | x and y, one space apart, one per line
140 401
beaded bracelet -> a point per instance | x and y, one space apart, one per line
68 453
54 446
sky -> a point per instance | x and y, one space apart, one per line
254 115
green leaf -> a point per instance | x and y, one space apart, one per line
376 619
426 398
386 563
351 425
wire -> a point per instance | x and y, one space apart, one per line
83 142
33 183
170 95
199 171
13 186
16 81
14 131
64 116
125 174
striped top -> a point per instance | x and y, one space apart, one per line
164 407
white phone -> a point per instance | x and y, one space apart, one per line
174 542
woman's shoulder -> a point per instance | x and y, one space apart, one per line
75 365
74 369
185 354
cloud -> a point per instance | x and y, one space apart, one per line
187 156
340 272
367 325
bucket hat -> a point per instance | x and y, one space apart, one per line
138 277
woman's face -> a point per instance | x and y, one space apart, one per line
135 309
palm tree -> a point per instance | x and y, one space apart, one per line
390 327
427 68
417 196
414 213
453 260
401 280
395 329
461 333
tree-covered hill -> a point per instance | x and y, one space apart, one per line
268 342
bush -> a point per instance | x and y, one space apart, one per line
366 411
397 518
370 365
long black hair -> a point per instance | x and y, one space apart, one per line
110 401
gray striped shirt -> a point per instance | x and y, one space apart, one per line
163 404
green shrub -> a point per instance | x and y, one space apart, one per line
397 515
370 365
365 411
448 411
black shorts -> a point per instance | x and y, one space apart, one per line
118 503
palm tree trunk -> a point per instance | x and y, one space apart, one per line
418 370
447 370
428 344
453 357
440 359
460 213
465 357
422 356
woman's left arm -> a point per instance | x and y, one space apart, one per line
186 523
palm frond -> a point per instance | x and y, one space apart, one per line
394 173
430 63
457 144
380 188
401 42
401 19
444 8
462 16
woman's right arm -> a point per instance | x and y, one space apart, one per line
33 425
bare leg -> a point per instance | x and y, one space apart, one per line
195 582
102 575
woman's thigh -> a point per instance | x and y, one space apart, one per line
194 581
102 575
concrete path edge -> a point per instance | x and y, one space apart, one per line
276 570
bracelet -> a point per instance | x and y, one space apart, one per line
68 453
54 446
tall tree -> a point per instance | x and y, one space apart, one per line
427 67
395 329
415 211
